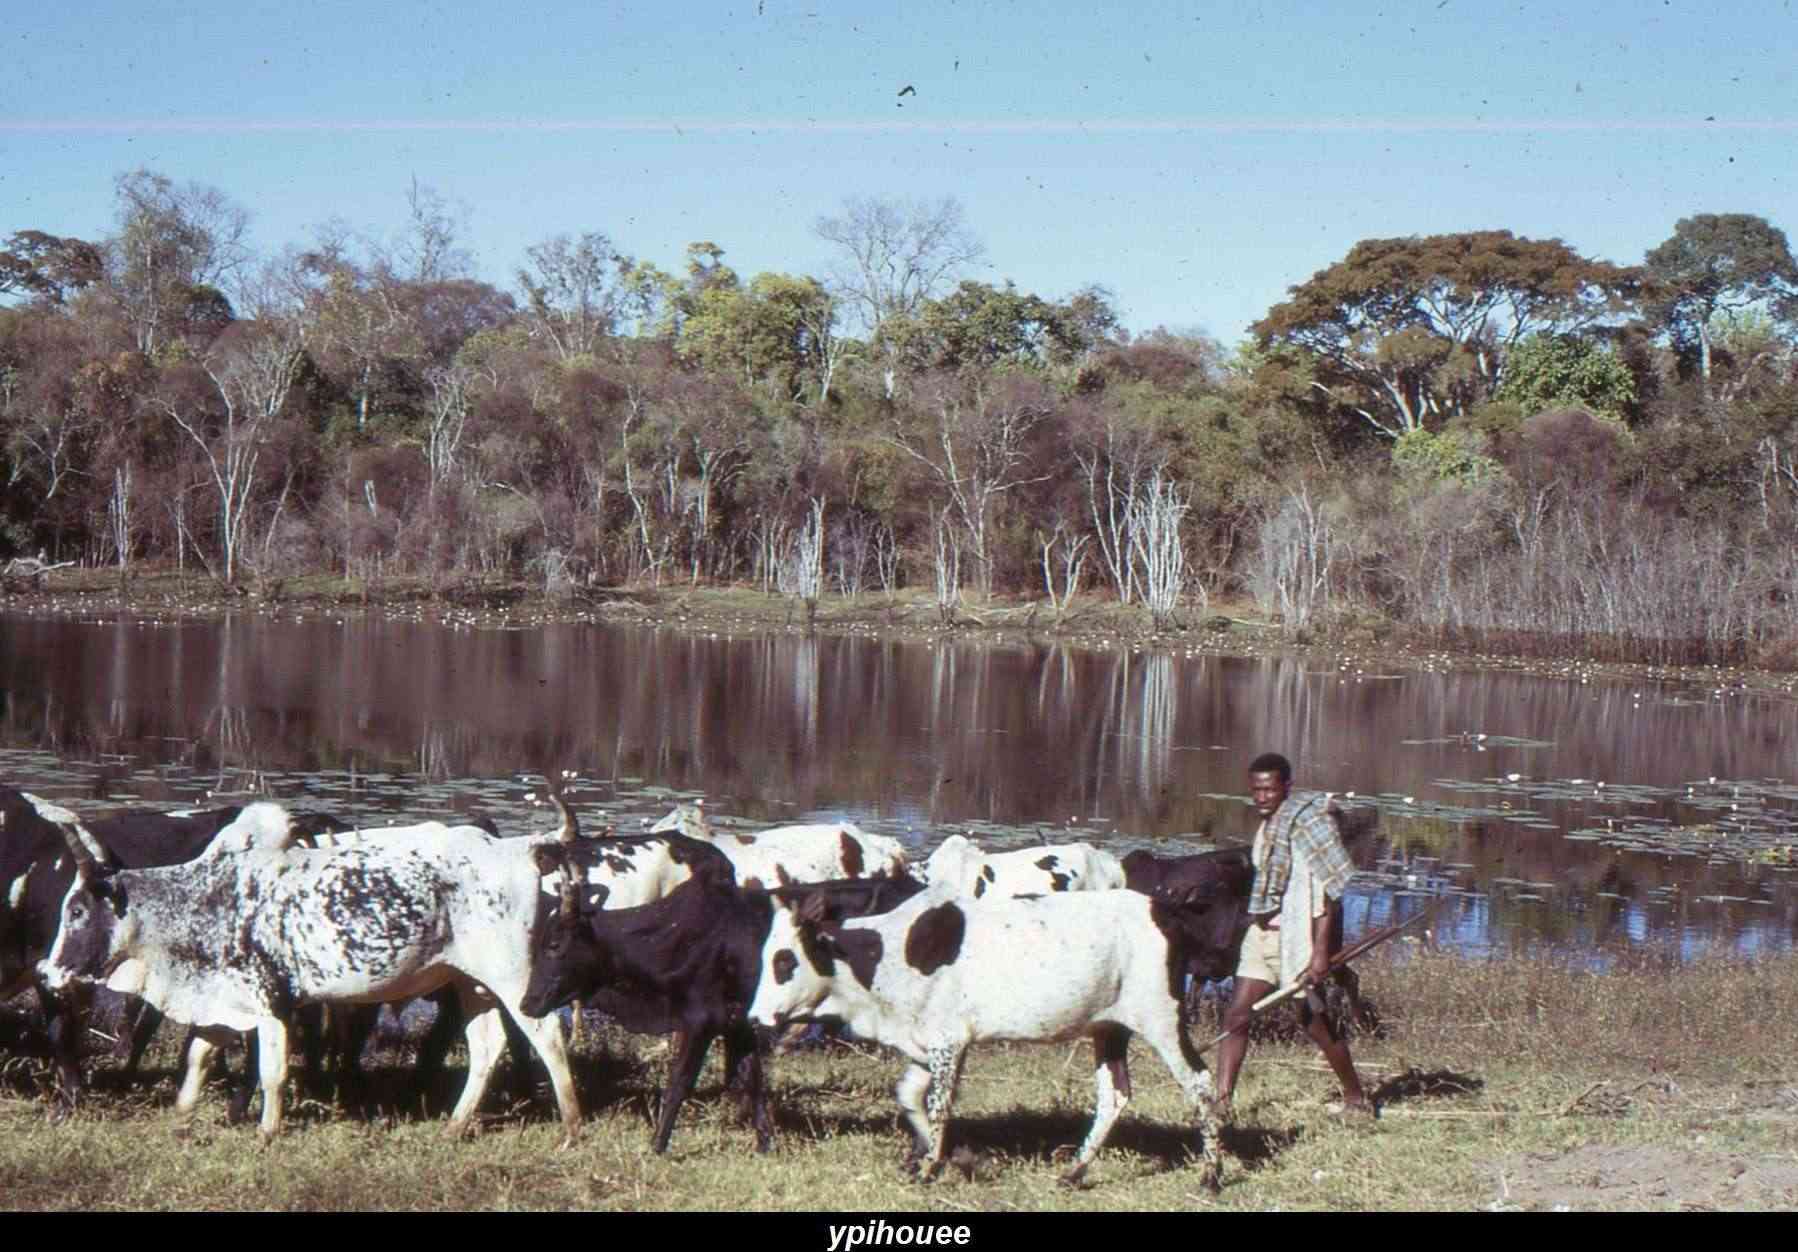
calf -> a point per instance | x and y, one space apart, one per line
959 864
238 942
685 964
938 974
812 853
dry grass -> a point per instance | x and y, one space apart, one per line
1502 1085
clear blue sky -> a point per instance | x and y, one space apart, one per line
1196 159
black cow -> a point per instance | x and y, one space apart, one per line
686 964
1173 879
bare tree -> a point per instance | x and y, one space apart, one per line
802 570
429 249
1158 548
574 291
1073 559
976 446
173 242
447 416
945 563
251 371
1299 550
896 254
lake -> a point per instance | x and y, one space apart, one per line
1570 811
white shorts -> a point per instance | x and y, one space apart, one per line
1260 955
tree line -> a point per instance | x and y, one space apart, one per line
1480 437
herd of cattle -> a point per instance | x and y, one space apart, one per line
246 919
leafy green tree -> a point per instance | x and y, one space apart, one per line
980 326
48 267
1559 371
778 333
1715 263
1406 331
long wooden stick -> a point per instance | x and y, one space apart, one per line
1303 982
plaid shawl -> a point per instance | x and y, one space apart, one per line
1304 821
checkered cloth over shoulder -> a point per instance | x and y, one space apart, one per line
1304 821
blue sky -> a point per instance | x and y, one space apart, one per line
1196 159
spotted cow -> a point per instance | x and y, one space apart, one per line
819 852
960 865
238 942
940 973
37 869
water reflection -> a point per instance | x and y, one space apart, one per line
920 737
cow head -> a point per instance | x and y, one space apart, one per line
566 960
1214 912
800 960
96 928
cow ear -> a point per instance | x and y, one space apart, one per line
781 876
597 901
548 857
109 889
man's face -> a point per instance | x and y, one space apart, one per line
1268 791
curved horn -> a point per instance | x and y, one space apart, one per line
571 829
84 857
89 854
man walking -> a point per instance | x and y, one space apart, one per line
1295 921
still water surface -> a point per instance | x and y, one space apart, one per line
1551 811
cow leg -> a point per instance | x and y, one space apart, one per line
271 1048
910 1090
144 1024
519 1048
945 1074
1183 1061
350 1026
64 1014
743 1072
545 1037
1111 1092
199 1053
244 1086
450 1021
689 1054
486 1039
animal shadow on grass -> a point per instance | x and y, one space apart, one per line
1052 1138
1256 1146
1418 1084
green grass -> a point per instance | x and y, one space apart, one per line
1503 1085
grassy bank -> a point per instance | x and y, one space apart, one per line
1503 1085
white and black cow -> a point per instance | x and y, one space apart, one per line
36 871
941 973
238 942
817 852
686 964
962 866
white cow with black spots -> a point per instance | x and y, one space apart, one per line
818 852
940 973
237 942
963 866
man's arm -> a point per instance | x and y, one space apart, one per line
1324 929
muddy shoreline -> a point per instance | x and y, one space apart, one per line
1225 628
